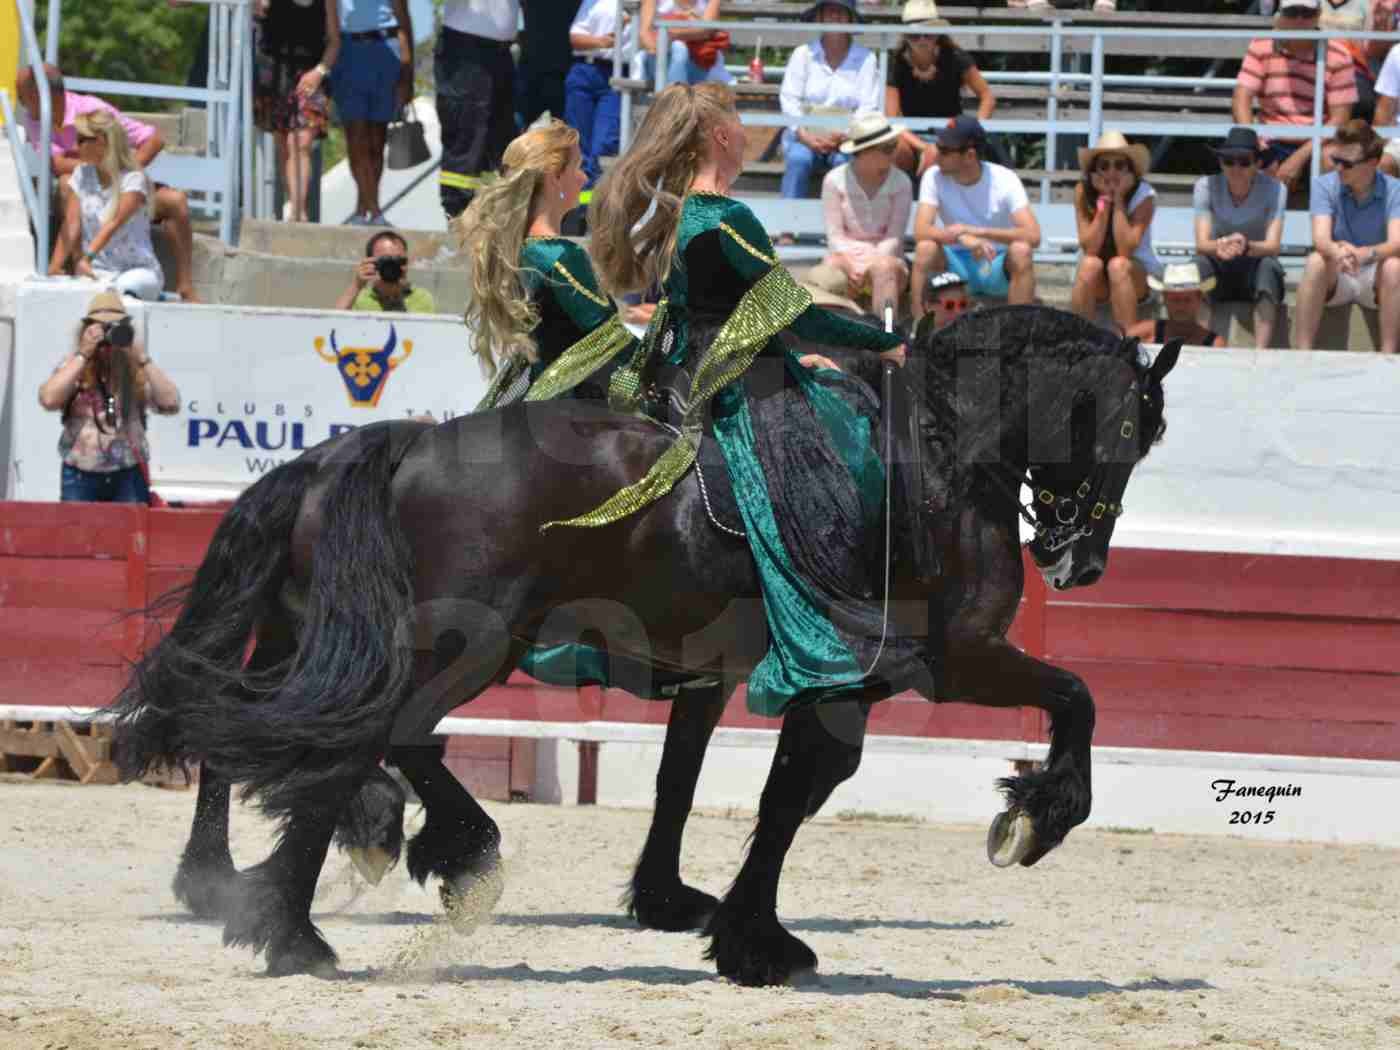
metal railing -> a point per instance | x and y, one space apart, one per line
1052 126
228 97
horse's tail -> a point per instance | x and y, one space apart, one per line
310 732
203 652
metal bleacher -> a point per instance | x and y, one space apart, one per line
1071 100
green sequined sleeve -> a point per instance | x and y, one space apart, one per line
564 266
748 249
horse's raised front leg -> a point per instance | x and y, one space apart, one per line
657 898
819 746
205 877
1056 797
459 842
272 909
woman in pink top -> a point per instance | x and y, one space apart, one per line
866 205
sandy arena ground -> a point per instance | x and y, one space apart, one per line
1116 940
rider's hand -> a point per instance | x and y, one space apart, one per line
818 361
895 356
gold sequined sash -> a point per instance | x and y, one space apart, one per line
581 360
773 303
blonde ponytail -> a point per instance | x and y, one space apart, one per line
656 171
492 231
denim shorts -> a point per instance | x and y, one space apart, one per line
117 486
365 80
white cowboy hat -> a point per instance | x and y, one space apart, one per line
1114 142
866 130
1180 277
924 13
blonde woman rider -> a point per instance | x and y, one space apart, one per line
809 485
537 314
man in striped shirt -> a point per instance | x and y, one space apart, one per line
1282 76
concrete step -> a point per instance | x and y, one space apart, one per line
315 241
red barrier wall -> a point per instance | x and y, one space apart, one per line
1214 652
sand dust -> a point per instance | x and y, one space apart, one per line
1114 941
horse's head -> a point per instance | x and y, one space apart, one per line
1116 406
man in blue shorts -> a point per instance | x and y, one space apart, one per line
975 220
371 83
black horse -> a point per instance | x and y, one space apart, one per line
398 571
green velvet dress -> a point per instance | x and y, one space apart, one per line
727 301
580 339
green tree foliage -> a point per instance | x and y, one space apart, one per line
146 41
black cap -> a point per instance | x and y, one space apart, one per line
810 15
1239 140
960 132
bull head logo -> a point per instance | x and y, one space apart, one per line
365 371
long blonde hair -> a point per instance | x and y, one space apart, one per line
657 170
118 160
492 232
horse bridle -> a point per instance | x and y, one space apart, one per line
1077 516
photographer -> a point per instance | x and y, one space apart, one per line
103 389
380 282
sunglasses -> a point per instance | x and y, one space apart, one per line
1347 165
1113 165
1237 162
953 305
86 138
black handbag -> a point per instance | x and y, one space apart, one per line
405 144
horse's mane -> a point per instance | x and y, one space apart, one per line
990 349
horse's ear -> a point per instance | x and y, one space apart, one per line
1166 360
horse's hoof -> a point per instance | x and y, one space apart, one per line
1010 839
761 957
371 863
469 898
677 908
206 890
300 951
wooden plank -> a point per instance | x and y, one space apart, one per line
181 537
1228 639
100 528
77 636
66 583
1143 690
134 626
1278 584
60 680
31 743
522 768
1224 732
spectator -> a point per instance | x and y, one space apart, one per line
1366 16
103 388
926 78
947 299
591 106
1113 209
831 74
866 204
1387 89
297 47
107 222
475 79
1182 289
1239 228
1356 239
1282 75
380 281
170 208
988 233
372 82
545 57
694 55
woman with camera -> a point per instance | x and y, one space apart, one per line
109 214
103 389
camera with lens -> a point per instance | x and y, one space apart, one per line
390 267
118 334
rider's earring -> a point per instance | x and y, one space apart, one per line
561 195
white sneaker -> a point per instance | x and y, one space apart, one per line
1105 5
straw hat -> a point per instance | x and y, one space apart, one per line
924 13
866 130
106 306
1180 277
1114 142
